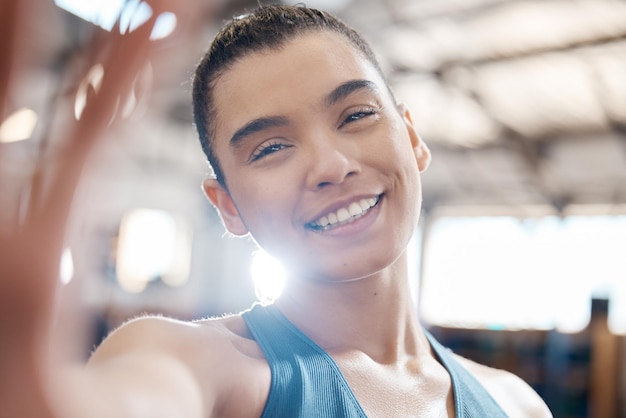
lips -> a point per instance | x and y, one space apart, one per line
344 215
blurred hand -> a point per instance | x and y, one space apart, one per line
31 246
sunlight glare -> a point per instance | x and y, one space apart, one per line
486 272
164 26
134 14
18 126
131 14
146 248
268 277
67 266
103 13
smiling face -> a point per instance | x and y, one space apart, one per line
321 166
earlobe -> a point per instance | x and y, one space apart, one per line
420 149
220 198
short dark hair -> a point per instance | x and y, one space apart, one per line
267 27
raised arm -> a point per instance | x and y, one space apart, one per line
34 213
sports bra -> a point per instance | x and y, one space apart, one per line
306 381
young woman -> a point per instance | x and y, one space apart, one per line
316 161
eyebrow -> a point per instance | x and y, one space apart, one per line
257 125
347 88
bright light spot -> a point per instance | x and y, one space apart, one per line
164 26
131 14
93 80
67 266
134 14
147 250
103 13
177 273
268 277
18 126
506 273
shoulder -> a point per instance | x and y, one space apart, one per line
195 347
216 353
214 341
514 395
154 333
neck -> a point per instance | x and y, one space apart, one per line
375 315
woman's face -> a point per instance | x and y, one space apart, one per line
322 167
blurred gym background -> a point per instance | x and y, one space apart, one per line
520 257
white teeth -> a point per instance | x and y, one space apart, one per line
353 211
343 215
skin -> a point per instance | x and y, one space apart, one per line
332 135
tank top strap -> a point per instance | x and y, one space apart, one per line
471 399
306 381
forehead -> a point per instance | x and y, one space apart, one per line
294 76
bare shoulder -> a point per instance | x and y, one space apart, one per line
203 343
217 353
158 333
514 395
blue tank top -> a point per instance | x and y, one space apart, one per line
306 382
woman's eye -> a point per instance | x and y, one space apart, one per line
266 149
358 115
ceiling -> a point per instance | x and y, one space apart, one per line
523 103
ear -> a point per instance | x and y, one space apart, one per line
420 149
225 206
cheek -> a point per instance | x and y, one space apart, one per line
263 205
404 153
395 151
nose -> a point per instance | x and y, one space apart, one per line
330 163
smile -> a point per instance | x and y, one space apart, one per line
344 215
